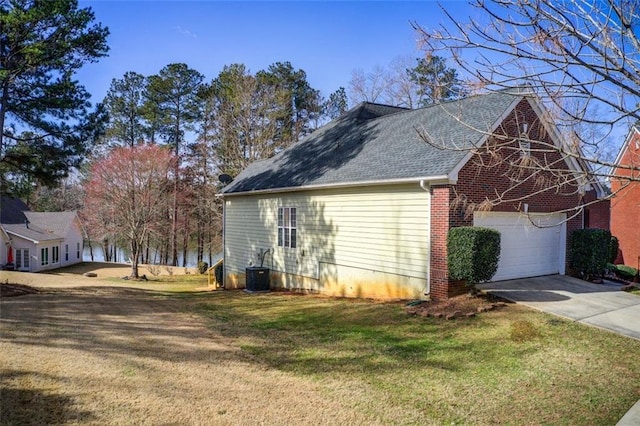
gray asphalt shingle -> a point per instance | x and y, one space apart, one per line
377 143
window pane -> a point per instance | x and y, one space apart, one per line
280 216
287 241
286 216
293 217
280 239
293 238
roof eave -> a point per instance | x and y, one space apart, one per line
24 237
432 180
634 131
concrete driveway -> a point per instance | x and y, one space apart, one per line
599 305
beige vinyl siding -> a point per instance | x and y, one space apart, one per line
382 228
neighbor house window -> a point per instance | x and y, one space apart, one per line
287 235
77 250
55 254
44 256
66 252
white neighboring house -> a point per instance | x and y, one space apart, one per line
38 241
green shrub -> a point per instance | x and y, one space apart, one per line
219 273
202 267
589 252
625 272
473 253
615 246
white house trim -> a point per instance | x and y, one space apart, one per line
434 180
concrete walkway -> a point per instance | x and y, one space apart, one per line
599 305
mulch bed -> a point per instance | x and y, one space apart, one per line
12 290
456 307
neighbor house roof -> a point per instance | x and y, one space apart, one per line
379 143
55 222
30 232
16 219
11 210
625 146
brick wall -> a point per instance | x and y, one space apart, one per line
440 200
625 205
598 214
499 179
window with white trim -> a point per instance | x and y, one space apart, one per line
66 252
44 256
77 250
287 231
55 254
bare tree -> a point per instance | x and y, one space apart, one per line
402 90
247 125
126 196
368 87
579 57
406 82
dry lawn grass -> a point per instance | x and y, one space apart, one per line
115 355
122 356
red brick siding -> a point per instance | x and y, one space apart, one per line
490 172
625 212
598 214
438 252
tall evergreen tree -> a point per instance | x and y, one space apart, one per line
175 92
297 101
124 104
175 89
435 81
337 104
45 121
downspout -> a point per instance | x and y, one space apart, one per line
224 241
425 187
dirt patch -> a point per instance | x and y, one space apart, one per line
12 290
456 307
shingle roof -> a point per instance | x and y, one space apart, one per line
377 143
42 226
11 210
54 222
31 232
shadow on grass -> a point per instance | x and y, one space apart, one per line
36 407
81 268
112 321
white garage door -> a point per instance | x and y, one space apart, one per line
527 249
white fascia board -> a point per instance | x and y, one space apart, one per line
32 240
83 231
5 233
556 137
625 145
434 180
553 132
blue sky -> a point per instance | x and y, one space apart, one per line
326 39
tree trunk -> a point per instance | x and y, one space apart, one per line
185 240
135 254
174 224
90 249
